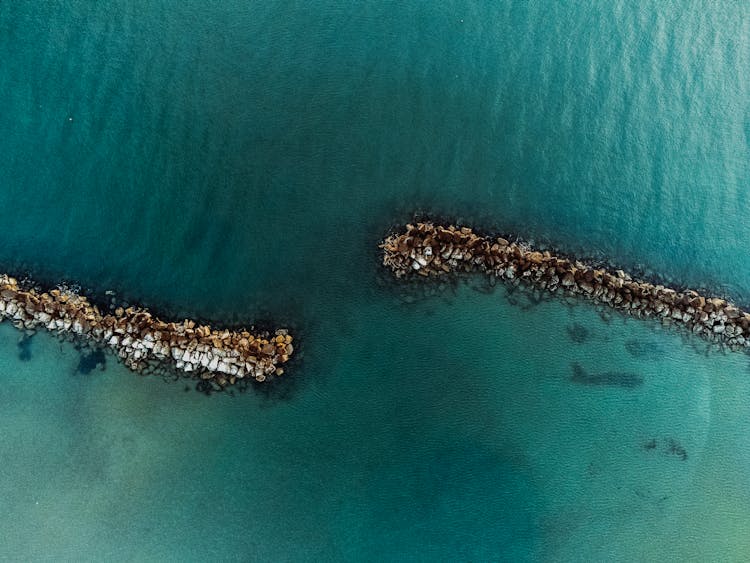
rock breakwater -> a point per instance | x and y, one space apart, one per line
142 340
426 249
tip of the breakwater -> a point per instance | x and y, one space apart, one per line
429 250
141 340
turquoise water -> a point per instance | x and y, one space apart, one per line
240 161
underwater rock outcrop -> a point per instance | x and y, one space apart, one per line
608 378
142 340
426 249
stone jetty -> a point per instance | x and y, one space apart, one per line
426 249
142 340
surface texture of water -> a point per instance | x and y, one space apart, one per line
241 160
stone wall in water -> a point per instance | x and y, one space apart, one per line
426 249
142 340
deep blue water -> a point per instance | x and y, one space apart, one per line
241 160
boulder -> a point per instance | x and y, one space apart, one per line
732 312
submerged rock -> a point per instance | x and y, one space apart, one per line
90 361
578 333
608 378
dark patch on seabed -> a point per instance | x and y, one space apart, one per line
90 361
623 379
577 333
24 348
640 349
671 447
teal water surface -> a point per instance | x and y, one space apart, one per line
241 160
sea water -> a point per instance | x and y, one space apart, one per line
240 161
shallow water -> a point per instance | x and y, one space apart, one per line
241 162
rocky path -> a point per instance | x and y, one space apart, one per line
426 249
142 340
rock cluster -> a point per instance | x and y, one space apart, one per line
427 250
141 339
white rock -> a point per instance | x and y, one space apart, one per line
427 251
719 329
213 364
588 288
113 341
415 265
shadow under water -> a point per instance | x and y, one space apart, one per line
671 447
578 333
91 360
24 348
623 379
641 349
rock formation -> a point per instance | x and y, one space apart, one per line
426 249
141 339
